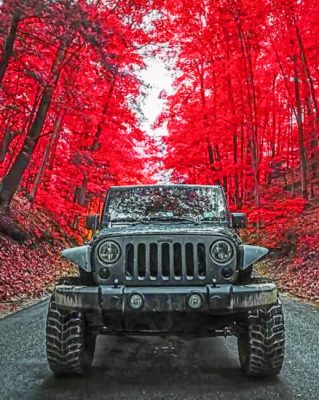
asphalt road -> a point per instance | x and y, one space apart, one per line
153 368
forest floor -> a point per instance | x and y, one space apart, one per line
296 271
299 278
28 270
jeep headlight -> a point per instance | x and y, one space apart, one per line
221 251
108 252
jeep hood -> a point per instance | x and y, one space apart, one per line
165 229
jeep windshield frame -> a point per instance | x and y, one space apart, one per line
165 203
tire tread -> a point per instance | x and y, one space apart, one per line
261 349
65 344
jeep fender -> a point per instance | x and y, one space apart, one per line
249 255
80 256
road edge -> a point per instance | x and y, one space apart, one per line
20 306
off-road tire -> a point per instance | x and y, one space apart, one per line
261 347
69 345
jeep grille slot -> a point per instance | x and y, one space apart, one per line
165 261
201 260
129 261
178 260
189 260
141 260
153 260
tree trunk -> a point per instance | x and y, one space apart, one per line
38 178
212 160
313 163
8 44
308 75
302 148
12 180
238 200
26 126
219 168
5 143
98 132
297 112
252 104
80 194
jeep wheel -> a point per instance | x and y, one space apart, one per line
261 347
70 347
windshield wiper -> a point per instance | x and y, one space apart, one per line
128 220
154 218
172 218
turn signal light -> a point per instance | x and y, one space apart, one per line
227 272
104 273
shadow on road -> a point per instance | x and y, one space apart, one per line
137 367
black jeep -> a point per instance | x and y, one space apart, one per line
165 260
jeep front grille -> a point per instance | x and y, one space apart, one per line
165 261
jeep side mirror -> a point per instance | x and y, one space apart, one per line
92 222
239 220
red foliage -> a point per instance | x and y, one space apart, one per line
28 269
91 132
235 87
245 109
245 112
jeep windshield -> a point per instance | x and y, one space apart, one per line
166 203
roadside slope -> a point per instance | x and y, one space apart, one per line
29 267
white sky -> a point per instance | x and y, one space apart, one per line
159 78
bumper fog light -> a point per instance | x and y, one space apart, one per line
104 273
195 301
136 301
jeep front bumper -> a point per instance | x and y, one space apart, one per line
216 299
